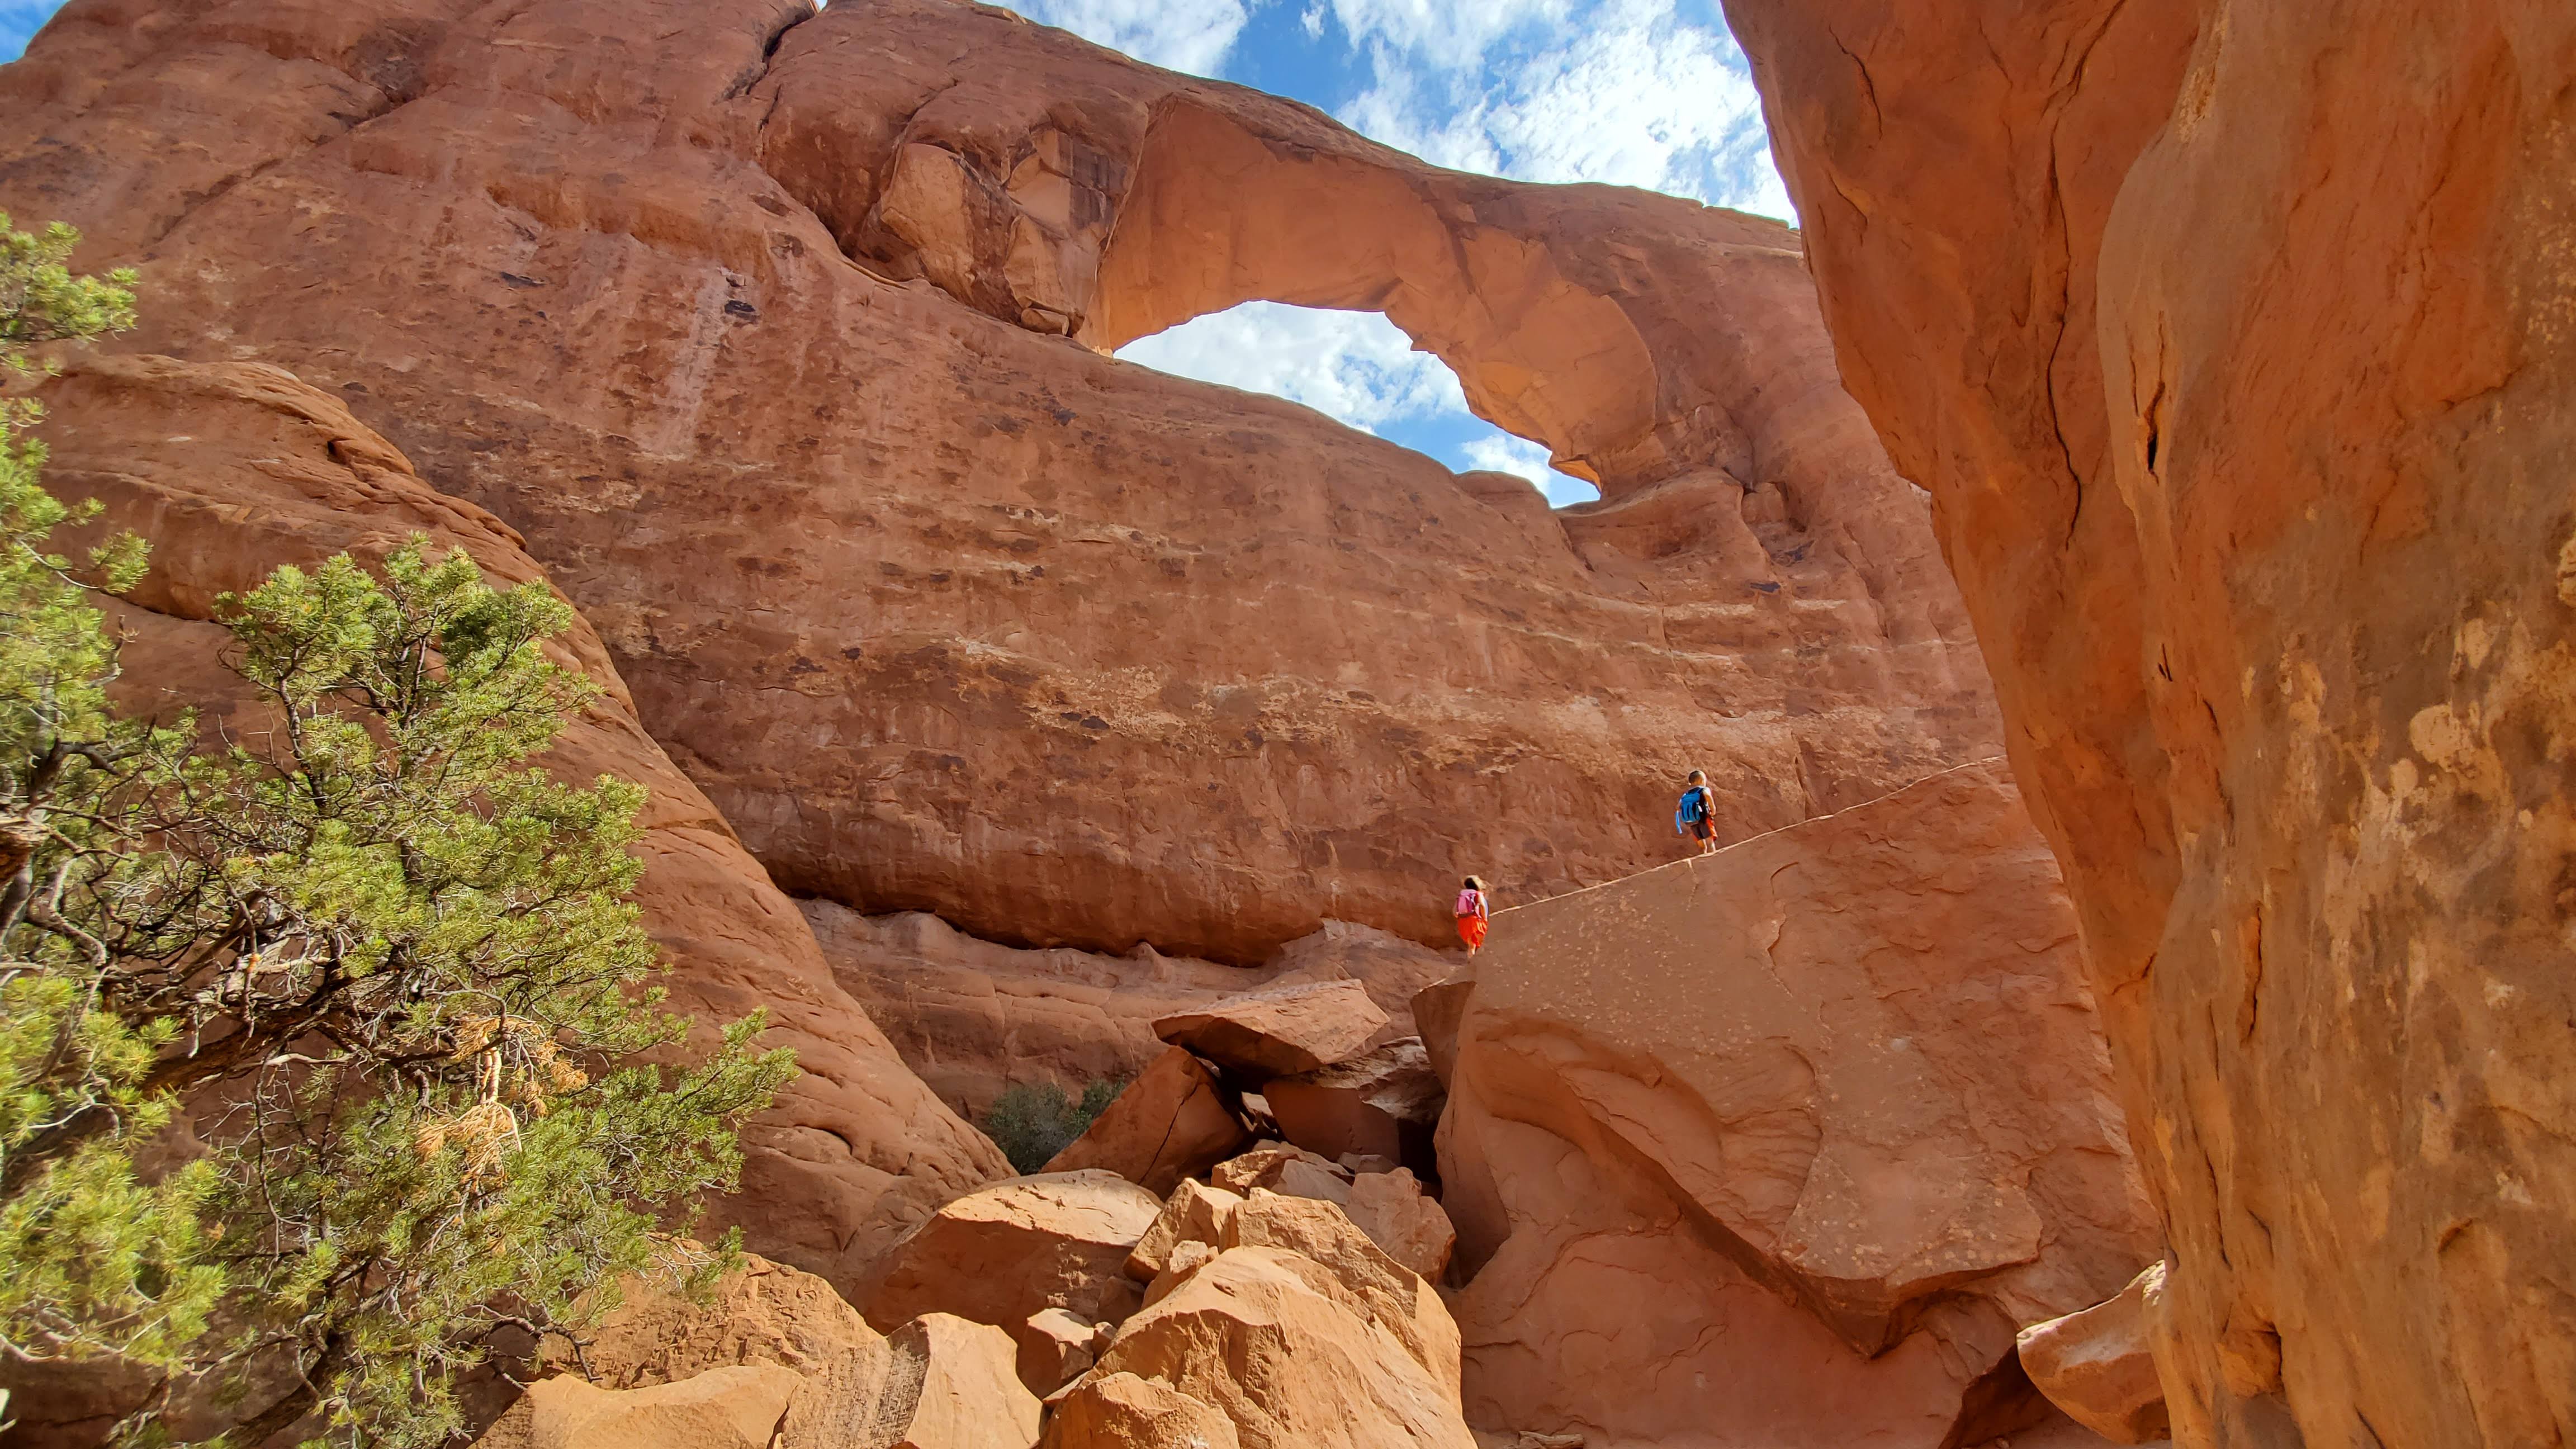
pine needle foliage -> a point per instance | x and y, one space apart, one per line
390 971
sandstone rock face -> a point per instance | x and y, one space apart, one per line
1279 1032
2099 1365
1002 1254
234 469
2231 341
972 1017
1291 1356
1437 1010
1384 1103
946 611
1122 1411
1810 1126
723 1408
1172 1122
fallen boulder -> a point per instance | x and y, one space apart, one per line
1383 1103
966 1386
1276 1343
763 1312
1392 1296
1057 1348
1003 1253
1122 1411
1195 1212
1279 1032
1401 1218
1174 1121
740 1407
2098 1366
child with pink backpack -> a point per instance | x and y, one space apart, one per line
1474 913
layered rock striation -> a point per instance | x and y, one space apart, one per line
2232 341
774 333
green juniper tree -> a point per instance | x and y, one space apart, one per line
390 971
1031 1124
91 1261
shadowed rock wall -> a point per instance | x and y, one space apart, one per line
2233 342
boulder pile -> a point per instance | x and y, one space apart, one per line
1066 1310
1262 1294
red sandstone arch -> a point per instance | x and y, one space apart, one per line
1216 217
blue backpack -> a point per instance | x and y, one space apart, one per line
1692 809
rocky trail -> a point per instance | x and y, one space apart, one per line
2112 560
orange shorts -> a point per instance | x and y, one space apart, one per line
1471 929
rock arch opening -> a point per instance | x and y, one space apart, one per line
1358 368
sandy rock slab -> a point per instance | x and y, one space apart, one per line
1006 1253
2099 1365
1864 1048
1174 1121
1279 1032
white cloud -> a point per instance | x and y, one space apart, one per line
1354 366
1628 92
1451 34
1185 35
1503 453
1313 21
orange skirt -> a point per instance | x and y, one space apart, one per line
1471 929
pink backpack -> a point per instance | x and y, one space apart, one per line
1470 903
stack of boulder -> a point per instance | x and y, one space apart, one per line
1239 1254
1313 1064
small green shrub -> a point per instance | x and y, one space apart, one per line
1032 1124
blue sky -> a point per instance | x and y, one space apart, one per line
1650 93
18 20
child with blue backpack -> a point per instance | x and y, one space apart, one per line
1696 815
